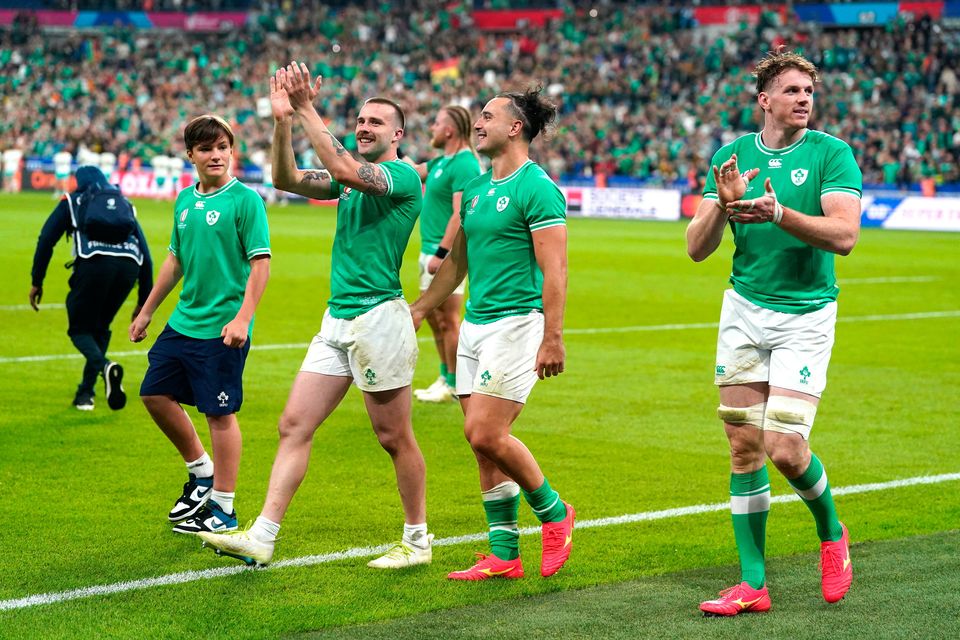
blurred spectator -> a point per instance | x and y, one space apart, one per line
643 91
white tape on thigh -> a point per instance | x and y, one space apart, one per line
789 415
752 416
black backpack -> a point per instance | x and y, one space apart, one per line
103 214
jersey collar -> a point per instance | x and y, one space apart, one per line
229 184
779 152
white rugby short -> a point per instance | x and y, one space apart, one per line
426 278
497 359
787 350
377 349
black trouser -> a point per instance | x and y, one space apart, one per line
98 287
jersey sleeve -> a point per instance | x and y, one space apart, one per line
252 225
841 173
403 181
174 247
545 204
467 168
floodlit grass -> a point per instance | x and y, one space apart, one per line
629 428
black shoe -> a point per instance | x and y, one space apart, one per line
209 518
113 377
196 492
83 401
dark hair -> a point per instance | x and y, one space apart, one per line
531 108
396 107
206 129
461 119
776 62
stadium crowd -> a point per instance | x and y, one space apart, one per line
645 94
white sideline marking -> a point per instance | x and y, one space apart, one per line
363 552
878 280
920 315
889 280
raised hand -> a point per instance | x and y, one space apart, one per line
279 101
295 80
731 184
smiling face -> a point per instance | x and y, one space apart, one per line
212 160
788 100
496 126
377 130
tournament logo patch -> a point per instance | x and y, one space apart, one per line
799 176
502 203
183 215
212 217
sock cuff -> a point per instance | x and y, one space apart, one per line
753 482
812 476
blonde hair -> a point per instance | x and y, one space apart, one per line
776 62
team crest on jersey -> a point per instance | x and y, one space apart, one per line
199 205
502 203
799 176
212 217
438 173
775 163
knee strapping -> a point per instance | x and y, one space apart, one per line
752 416
790 415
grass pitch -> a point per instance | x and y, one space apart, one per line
629 429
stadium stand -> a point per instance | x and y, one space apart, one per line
647 95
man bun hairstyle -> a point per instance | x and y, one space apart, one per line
206 129
776 62
533 109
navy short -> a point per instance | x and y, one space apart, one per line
204 373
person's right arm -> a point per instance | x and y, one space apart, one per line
170 273
56 225
451 273
310 183
705 231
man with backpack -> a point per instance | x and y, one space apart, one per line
110 255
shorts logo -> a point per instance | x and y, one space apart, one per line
502 203
223 397
804 375
371 376
775 163
799 176
212 217
721 369
485 378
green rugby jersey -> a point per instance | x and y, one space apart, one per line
372 234
772 268
215 235
498 217
446 175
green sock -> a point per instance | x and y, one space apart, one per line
443 370
546 503
451 378
502 504
749 506
813 488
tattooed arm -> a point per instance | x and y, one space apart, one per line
342 167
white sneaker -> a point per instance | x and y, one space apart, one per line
240 545
403 554
439 392
434 386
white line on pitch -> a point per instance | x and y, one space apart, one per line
889 280
920 315
363 552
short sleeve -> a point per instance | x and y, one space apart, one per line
403 181
841 173
252 225
467 168
546 206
